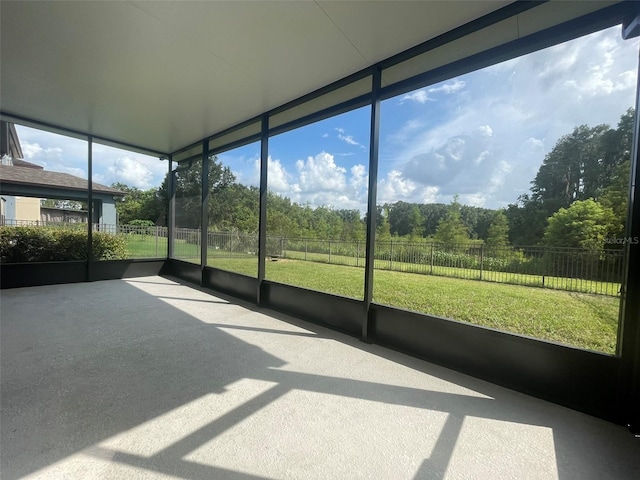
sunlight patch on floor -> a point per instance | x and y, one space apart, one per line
493 448
313 430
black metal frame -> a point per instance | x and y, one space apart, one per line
583 380
171 221
629 324
69 132
262 222
537 41
16 275
603 385
204 205
89 204
374 142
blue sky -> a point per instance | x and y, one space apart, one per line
481 136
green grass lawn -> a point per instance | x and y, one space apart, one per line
146 246
578 319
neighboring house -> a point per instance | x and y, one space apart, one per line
12 207
23 184
18 182
63 215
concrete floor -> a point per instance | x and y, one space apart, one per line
148 378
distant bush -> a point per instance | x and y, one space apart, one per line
139 227
141 223
43 244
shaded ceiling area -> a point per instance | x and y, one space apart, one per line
161 75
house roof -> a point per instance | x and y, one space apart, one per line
42 178
18 162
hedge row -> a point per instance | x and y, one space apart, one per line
50 244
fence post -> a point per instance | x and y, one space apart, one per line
231 245
390 254
357 253
306 241
329 250
156 240
481 259
431 262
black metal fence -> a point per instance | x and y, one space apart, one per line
571 269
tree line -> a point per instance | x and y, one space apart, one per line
578 198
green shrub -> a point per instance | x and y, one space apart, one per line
47 244
107 246
25 244
141 223
69 245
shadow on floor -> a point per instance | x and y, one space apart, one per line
82 363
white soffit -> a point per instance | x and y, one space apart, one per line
162 75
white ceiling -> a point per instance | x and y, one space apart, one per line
162 75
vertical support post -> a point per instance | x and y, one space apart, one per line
374 141
481 259
89 205
204 204
5 148
171 198
629 324
262 223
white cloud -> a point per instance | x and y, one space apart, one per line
359 177
278 178
485 130
422 96
58 153
419 96
395 187
348 138
459 165
244 164
487 143
320 173
406 133
127 170
451 86
54 153
42 156
319 181
473 199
